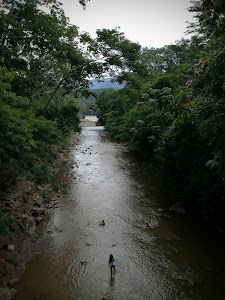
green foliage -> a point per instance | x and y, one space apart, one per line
26 135
40 62
145 122
87 104
41 172
44 68
176 113
65 115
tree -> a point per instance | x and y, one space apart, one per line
176 111
43 48
210 17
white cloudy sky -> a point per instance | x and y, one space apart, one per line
151 23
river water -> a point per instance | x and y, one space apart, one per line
173 259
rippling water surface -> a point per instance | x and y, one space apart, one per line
171 260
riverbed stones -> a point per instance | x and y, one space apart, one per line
10 247
35 213
107 296
25 206
7 294
8 272
24 216
38 211
38 220
15 227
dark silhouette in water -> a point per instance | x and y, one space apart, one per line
111 263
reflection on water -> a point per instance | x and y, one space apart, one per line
112 281
170 260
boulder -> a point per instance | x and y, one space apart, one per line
37 204
107 296
8 272
38 220
42 211
30 221
15 227
5 294
13 281
32 229
24 216
10 247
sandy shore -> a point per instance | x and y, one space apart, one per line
89 121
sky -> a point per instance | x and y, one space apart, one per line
151 23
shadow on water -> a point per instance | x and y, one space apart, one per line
172 259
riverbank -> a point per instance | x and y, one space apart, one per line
88 121
26 206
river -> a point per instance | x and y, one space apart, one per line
173 259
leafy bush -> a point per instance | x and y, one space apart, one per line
41 172
65 116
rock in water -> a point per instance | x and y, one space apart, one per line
107 296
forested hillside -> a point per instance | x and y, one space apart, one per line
106 83
174 108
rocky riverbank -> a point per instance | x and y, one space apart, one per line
25 206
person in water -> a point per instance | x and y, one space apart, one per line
111 263
147 225
102 223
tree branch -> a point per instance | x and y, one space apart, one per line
58 86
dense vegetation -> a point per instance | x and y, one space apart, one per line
174 108
88 105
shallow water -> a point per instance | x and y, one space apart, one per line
174 259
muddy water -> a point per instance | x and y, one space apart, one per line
174 259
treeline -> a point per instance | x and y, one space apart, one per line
35 53
88 105
45 64
173 107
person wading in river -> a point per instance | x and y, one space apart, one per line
111 263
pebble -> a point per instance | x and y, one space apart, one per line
107 296
10 247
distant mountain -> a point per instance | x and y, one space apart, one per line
107 83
